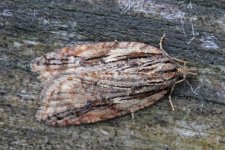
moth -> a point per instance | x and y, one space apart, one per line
99 81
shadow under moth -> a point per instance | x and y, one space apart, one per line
94 82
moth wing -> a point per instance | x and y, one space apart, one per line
71 101
67 59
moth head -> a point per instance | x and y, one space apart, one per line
184 70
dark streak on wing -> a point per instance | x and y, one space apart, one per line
78 111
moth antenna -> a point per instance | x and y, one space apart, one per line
171 91
164 52
184 76
161 43
171 103
184 70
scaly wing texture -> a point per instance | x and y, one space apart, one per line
69 58
95 82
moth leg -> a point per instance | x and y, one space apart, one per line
171 91
161 47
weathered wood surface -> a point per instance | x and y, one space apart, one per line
195 32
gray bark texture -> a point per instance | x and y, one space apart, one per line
195 31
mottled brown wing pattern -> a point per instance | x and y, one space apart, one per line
68 59
94 82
